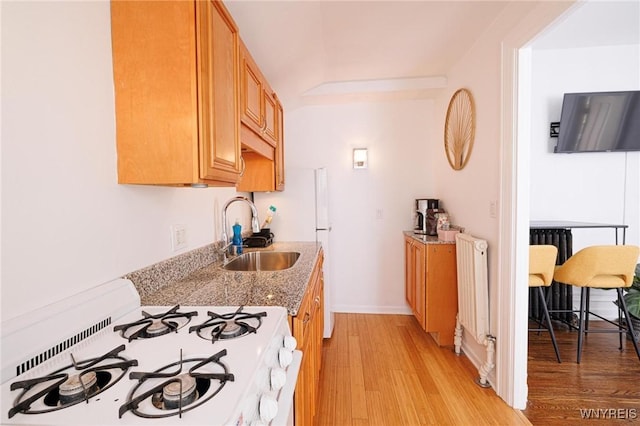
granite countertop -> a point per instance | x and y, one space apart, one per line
213 286
426 239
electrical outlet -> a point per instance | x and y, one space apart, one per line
178 237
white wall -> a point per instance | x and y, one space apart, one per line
369 208
489 70
587 187
471 191
66 224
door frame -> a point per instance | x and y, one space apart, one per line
513 259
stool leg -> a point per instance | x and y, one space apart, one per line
620 328
628 319
586 309
549 325
581 320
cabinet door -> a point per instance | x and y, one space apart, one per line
441 292
318 325
251 90
154 72
415 279
409 274
419 252
279 154
270 125
304 386
218 52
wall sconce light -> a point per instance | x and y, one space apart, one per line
360 158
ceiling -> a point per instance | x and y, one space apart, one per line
594 23
311 49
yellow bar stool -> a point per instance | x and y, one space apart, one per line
608 267
542 262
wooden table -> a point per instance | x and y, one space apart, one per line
566 224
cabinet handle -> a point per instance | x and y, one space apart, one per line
317 300
306 319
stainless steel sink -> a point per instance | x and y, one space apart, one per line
263 261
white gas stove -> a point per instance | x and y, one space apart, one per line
99 358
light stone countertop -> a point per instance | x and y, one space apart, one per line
213 286
426 239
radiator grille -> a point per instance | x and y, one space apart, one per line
560 296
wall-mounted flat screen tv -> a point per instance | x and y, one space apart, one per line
600 122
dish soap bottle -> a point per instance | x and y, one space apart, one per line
237 237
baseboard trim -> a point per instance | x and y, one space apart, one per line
367 309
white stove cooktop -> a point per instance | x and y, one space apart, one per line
250 359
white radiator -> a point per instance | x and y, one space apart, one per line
473 298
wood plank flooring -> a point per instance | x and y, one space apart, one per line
384 370
606 379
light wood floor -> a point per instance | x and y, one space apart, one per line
605 379
384 370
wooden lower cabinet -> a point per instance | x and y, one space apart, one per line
307 328
431 287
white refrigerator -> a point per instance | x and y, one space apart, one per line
302 214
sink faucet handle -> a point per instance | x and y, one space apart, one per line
225 247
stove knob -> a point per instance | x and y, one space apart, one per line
290 342
278 378
285 357
268 408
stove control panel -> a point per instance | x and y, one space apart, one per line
274 383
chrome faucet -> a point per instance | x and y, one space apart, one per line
255 222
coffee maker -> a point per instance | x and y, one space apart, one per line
426 222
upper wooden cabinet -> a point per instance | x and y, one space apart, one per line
258 101
262 130
176 75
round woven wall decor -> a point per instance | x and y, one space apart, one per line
459 129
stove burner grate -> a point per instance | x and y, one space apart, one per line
168 392
228 326
155 325
61 389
